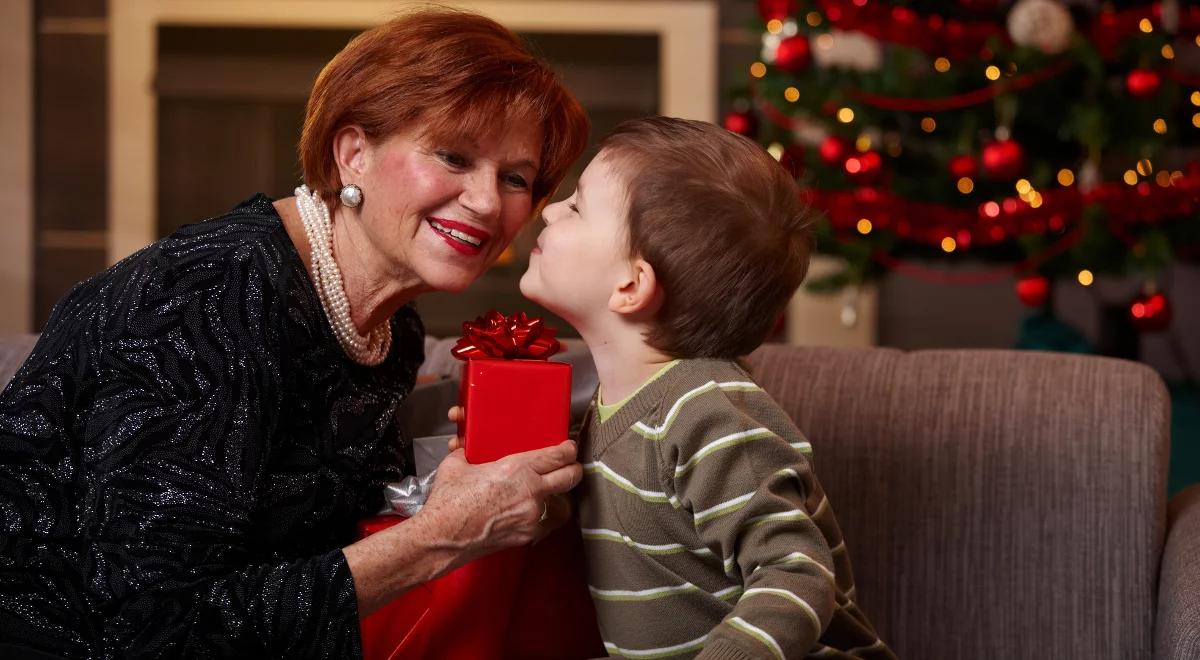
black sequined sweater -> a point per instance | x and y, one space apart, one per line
185 452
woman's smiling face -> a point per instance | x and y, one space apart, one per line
444 210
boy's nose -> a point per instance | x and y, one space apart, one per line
550 213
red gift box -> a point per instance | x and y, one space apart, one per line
511 406
512 399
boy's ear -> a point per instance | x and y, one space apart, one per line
639 294
350 152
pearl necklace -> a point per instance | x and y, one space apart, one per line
314 215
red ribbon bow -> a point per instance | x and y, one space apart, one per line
497 336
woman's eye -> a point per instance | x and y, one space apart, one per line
454 159
518 181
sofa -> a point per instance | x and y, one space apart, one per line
996 504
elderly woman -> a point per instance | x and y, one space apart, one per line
184 455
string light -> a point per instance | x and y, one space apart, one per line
966 185
928 124
1130 177
774 26
863 143
776 150
1035 199
1145 167
758 69
846 115
1023 186
941 64
813 19
863 226
992 72
1168 52
1160 126
1163 178
1196 120
1196 97
1066 177
948 244
1145 25
791 94
991 210
1176 175
1085 277
825 41
894 149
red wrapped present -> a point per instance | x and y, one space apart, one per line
513 399
528 603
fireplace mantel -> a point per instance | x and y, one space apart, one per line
686 31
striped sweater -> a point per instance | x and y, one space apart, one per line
706 532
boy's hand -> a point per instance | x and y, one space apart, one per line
455 414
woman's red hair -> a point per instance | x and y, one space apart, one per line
452 73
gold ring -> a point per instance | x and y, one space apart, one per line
545 513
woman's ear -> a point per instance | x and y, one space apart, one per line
639 295
351 153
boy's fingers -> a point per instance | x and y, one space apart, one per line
454 443
455 414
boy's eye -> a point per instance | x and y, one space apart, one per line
574 209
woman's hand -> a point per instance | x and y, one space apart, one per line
557 507
505 503
473 510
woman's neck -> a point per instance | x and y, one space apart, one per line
373 289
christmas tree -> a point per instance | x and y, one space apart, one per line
1049 139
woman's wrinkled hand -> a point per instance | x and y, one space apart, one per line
479 509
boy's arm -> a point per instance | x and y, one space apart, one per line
755 502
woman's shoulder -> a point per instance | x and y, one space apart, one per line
244 252
250 231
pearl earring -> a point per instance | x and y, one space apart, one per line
351 195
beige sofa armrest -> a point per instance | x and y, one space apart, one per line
1177 624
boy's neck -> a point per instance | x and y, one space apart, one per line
624 361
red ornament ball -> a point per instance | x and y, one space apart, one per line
963 165
741 122
865 168
1003 159
1150 313
1033 290
833 150
792 159
776 9
793 54
1143 83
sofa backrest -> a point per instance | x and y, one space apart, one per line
996 504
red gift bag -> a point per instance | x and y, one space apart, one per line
526 603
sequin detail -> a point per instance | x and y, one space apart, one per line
185 452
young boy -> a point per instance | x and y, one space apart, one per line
705 528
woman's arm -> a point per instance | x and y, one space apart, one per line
472 511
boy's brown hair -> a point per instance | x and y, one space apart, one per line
723 226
